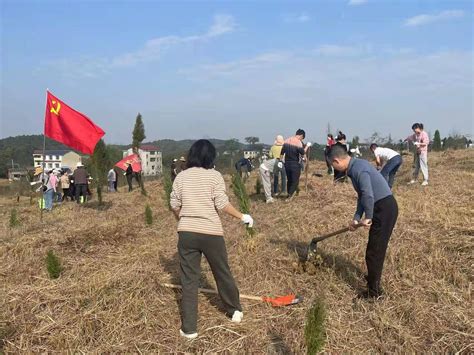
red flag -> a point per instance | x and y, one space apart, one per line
66 125
133 159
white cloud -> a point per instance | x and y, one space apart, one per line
297 18
357 2
336 50
425 19
153 48
151 51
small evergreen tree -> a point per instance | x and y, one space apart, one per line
167 187
138 135
437 141
258 186
314 332
53 265
100 161
244 201
148 215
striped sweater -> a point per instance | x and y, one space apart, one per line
199 193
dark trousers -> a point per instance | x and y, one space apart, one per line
327 150
293 172
339 176
65 194
277 175
115 184
385 217
81 190
129 181
390 169
190 248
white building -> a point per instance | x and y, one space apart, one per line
152 160
250 154
56 159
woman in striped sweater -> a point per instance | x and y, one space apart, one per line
198 194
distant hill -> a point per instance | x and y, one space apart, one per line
20 150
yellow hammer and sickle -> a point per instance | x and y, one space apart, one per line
56 109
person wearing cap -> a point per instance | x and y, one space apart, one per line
49 189
388 160
129 176
182 165
376 209
174 169
279 172
80 182
292 153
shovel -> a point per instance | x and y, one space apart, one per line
313 246
274 301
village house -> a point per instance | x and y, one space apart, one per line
56 159
151 157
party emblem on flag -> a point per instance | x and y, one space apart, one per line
56 109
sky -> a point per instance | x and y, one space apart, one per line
232 69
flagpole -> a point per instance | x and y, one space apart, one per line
43 201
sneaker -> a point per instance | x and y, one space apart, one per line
189 336
424 183
270 200
237 317
411 182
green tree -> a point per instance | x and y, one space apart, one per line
437 141
355 141
138 134
252 140
100 163
53 265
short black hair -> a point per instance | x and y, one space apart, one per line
373 146
201 155
338 151
301 132
417 125
341 136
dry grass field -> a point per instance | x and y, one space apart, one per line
109 298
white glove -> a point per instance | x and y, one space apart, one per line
417 143
309 144
248 220
280 165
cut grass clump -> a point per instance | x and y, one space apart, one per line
14 221
244 201
53 265
314 332
148 215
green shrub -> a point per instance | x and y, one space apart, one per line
53 265
314 332
14 221
148 215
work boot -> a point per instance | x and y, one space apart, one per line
374 291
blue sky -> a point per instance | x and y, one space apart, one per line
233 69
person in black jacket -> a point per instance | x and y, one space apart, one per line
129 176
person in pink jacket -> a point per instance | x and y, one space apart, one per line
421 141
